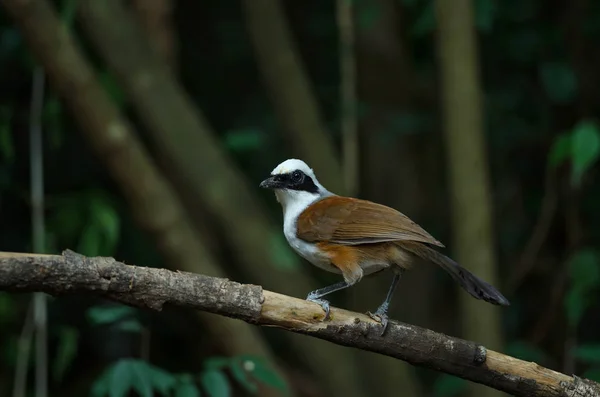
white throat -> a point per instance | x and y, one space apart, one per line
293 203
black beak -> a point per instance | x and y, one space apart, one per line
272 182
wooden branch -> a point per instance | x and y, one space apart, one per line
71 273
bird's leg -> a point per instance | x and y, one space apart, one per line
381 312
315 295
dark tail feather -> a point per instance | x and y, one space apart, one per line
467 280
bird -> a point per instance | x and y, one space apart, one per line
356 238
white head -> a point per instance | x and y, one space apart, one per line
295 184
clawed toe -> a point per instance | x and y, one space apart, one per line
323 303
381 318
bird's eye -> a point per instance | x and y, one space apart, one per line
296 176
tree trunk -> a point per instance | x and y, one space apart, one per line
156 18
471 202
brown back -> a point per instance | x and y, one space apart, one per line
350 221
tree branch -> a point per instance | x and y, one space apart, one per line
144 287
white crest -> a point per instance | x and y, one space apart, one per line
291 165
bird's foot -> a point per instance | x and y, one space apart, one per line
322 302
380 316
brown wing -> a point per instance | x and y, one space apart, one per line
350 221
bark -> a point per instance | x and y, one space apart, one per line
71 273
290 90
150 197
156 19
183 137
471 202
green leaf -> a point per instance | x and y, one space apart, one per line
109 314
592 374
584 269
283 256
67 12
584 273
585 149
187 389
100 386
90 241
53 120
262 372
244 140
368 15
215 383
217 362
525 351
449 386
10 350
559 81
162 380
112 88
132 374
588 353
101 233
120 379
143 377
575 306
485 11
561 150
7 308
67 349
105 216
52 111
240 374
130 326
66 219
425 22
185 377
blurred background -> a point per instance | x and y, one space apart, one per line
141 129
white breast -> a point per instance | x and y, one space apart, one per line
309 251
